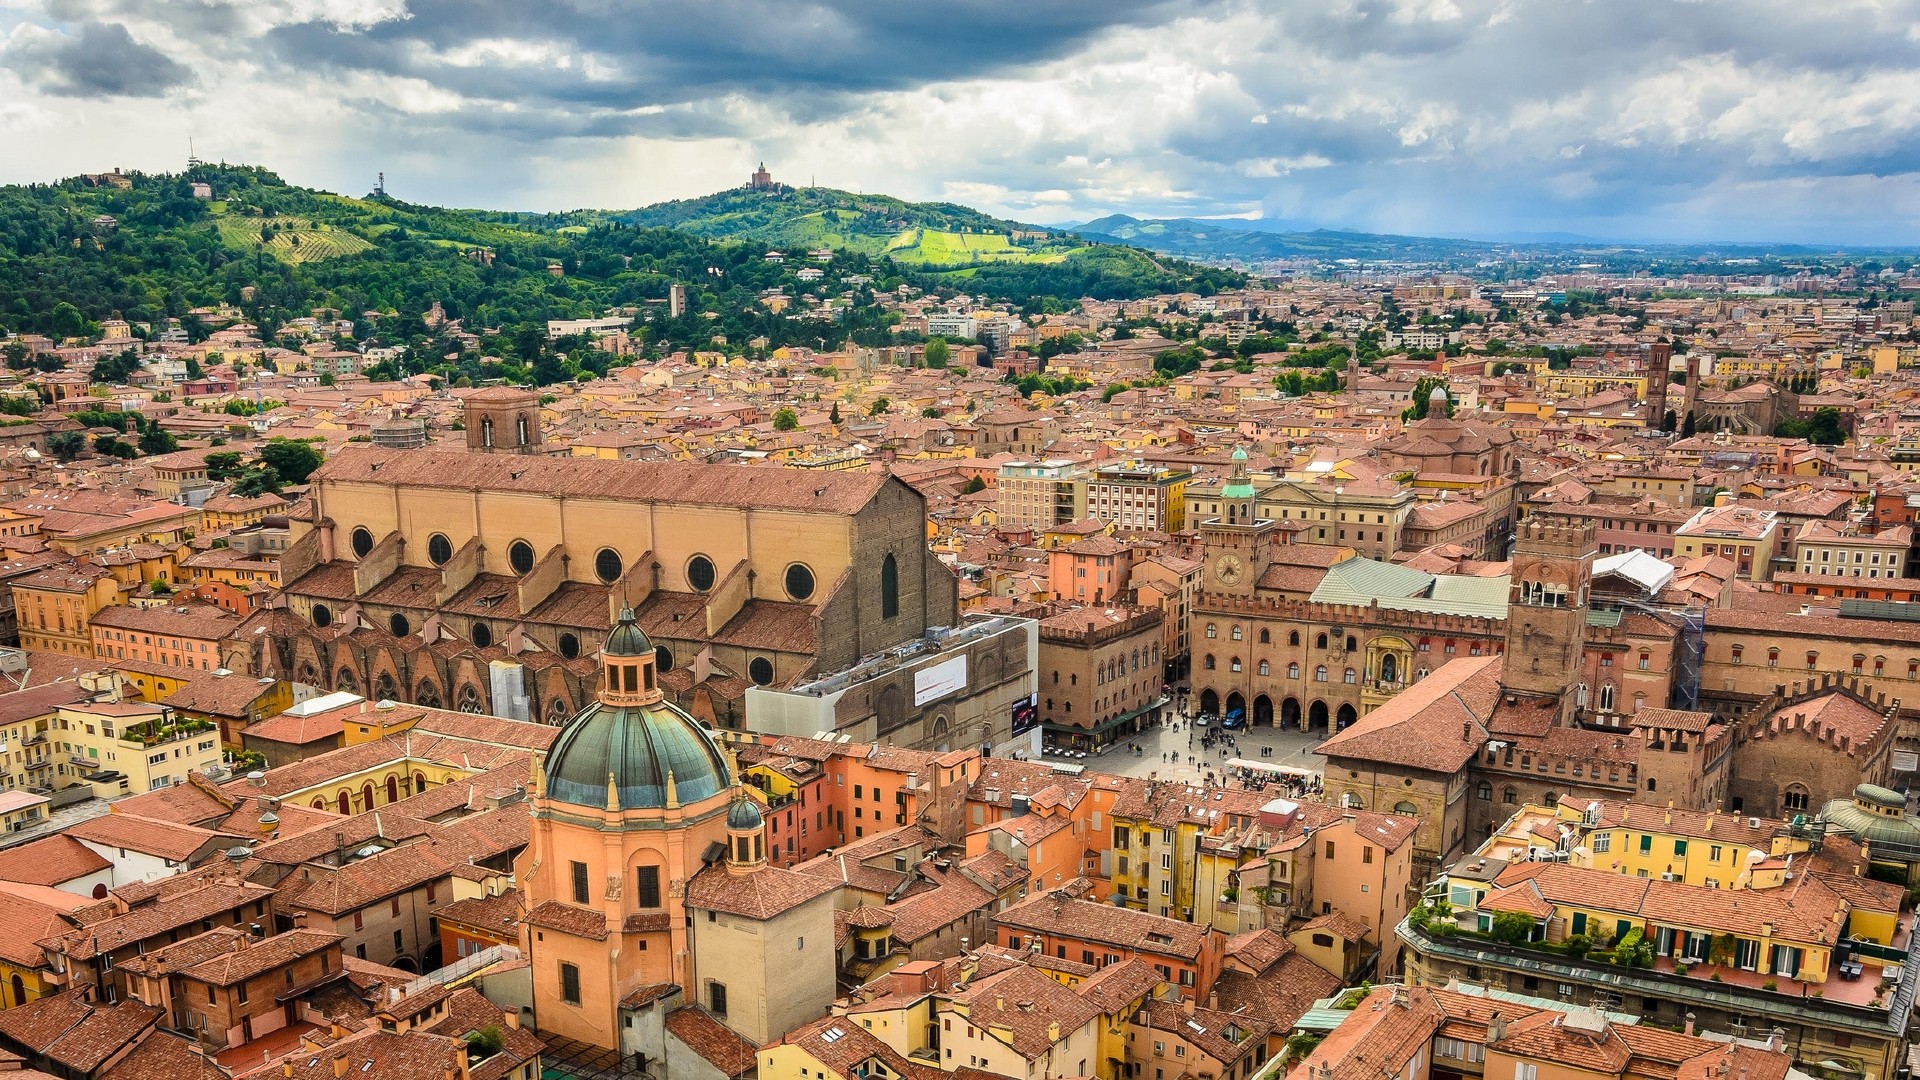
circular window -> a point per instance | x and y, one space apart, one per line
700 573
399 625
569 646
799 581
760 670
606 565
439 549
662 659
520 556
362 541
322 615
482 635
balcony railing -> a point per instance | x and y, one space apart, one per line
152 734
1889 1018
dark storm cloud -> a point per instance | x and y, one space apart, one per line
1687 117
808 54
96 59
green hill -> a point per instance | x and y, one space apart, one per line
938 243
76 251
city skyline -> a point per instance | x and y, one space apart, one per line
1474 118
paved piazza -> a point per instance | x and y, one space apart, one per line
1291 748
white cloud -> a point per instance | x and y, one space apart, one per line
1443 116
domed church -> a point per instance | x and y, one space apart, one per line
634 801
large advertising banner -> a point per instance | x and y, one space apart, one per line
939 680
1026 714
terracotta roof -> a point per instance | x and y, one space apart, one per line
1258 949
742 486
253 958
1282 994
73 1033
1437 724
759 894
406 1055
169 913
1058 914
294 729
53 860
500 913
714 1041
648 994
567 919
163 839
1024 1003
29 922
163 1055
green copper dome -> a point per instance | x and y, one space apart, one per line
1874 815
1238 485
626 638
640 745
744 815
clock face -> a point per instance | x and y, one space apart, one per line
1228 569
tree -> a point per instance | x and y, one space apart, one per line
224 465
931 412
1174 363
1824 429
112 446
67 445
291 461
116 369
258 480
1513 927
978 483
1423 398
785 420
833 417
67 321
18 359
1687 427
1112 389
880 405
154 441
937 353
485 1042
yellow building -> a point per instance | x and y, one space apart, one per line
976 1012
27 717
1138 496
128 748
236 512
1747 536
1739 923
56 606
1580 384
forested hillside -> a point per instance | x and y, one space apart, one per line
72 253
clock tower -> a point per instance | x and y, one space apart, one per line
1238 540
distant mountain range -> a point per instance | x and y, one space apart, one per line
1246 240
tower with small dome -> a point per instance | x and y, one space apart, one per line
645 876
632 800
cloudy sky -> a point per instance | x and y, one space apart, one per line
1785 120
